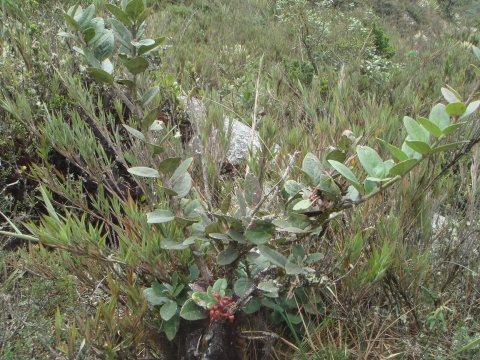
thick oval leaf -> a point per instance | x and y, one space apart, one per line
260 231
328 187
430 127
419 146
153 298
335 154
449 129
191 311
90 57
100 75
144 42
171 327
293 269
439 116
220 285
449 96
84 17
313 168
134 132
456 110
145 49
183 185
143 171
447 147
242 285
98 24
269 288
412 154
71 21
168 310
274 257
137 66
134 9
169 164
302 205
119 14
399 154
313 258
181 169
154 149
170 244
226 202
88 34
149 118
201 298
415 131
143 16
252 306
107 66
347 174
122 34
167 191
286 226
292 188
126 82
149 94
227 256
476 51
185 222
471 108
371 161
160 216
403 167
104 45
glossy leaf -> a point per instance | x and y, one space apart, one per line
403 167
419 146
347 174
456 109
273 256
168 310
160 216
119 14
191 311
100 75
431 127
260 231
227 256
149 95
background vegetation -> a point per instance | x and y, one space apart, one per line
303 72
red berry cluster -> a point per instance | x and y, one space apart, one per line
222 310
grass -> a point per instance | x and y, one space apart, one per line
426 305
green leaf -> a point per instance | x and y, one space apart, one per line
439 116
302 205
168 310
269 288
169 164
431 127
399 154
220 285
88 34
260 231
146 48
286 226
122 34
137 66
252 306
412 154
415 131
119 14
242 285
143 171
104 45
253 192
84 17
271 255
449 96
336 155
107 66
447 147
419 146
292 188
369 185
403 167
194 273
98 25
134 132
181 169
227 256
293 269
271 305
154 298
154 149
143 16
171 327
313 168
90 57
160 216
149 94
371 161
191 311
183 185
143 42
126 82
67 35
100 75
149 118
201 299
456 110
134 9
347 174
449 129
471 108
167 191
170 244
311 258
185 222
328 187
